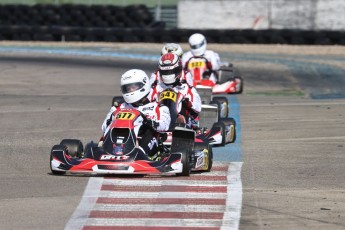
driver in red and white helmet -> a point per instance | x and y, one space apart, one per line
198 45
136 91
170 70
175 49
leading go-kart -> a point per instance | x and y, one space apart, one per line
121 153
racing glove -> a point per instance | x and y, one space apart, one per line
186 104
151 124
188 107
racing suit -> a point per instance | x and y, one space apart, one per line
191 100
159 117
209 62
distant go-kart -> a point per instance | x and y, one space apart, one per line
121 153
229 80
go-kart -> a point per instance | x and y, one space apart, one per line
229 80
215 127
211 128
121 153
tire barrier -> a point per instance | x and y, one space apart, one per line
133 23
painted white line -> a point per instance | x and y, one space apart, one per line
86 204
160 208
232 215
162 182
162 194
160 222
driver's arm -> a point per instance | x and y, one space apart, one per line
163 118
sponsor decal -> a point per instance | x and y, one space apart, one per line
126 77
200 161
148 108
112 157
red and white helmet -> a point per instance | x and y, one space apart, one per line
172 48
170 68
135 85
197 44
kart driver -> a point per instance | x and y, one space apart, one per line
170 71
136 91
174 48
199 61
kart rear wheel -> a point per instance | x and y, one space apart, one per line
186 170
200 147
224 106
231 123
74 147
55 148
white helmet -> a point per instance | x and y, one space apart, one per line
135 85
197 43
170 68
172 48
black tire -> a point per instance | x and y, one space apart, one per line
223 101
185 146
222 131
241 88
54 172
201 146
74 147
87 150
117 100
230 122
186 170
218 105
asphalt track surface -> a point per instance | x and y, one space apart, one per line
291 140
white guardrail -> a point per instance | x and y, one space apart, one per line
262 14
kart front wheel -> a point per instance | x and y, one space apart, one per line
186 164
222 131
74 147
117 100
55 148
230 129
240 80
223 109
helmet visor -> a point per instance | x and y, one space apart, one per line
132 87
197 46
165 71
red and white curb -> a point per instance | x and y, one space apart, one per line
202 201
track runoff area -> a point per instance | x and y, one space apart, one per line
205 201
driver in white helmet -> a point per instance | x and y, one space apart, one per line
170 70
136 92
200 61
175 49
